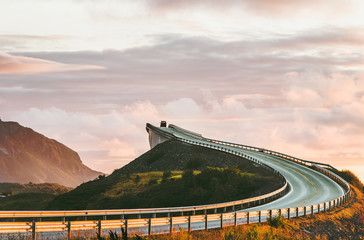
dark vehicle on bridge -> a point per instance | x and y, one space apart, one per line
163 124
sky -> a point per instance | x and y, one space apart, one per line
283 75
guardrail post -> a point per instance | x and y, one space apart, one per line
170 225
305 211
149 226
289 213
126 227
260 216
206 222
247 218
270 214
34 232
235 219
221 220
189 224
69 231
99 229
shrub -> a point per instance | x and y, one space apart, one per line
277 221
193 163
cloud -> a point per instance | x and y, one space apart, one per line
12 64
301 94
277 8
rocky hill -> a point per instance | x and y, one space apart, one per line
27 156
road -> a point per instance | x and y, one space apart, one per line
307 187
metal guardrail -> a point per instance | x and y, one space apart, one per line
148 226
267 151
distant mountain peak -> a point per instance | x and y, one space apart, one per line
28 156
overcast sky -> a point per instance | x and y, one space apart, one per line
283 75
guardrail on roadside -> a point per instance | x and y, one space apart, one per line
149 226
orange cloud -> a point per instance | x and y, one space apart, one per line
13 64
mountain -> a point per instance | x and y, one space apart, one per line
27 156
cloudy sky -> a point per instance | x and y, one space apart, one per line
283 75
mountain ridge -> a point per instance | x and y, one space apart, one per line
28 156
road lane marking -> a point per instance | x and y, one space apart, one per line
295 172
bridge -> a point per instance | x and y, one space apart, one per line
307 188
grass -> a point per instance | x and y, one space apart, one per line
29 196
163 189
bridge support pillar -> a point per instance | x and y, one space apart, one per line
289 213
260 216
247 218
311 210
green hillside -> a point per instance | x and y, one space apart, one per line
164 177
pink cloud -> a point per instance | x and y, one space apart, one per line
13 64
277 8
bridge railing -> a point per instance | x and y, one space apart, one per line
267 151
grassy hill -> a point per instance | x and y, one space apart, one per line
164 177
164 189
29 196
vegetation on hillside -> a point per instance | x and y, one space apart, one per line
174 155
29 196
163 189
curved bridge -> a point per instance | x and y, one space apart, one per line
307 185
307 188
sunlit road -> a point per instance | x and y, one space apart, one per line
307 187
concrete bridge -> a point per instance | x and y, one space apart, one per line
307 188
